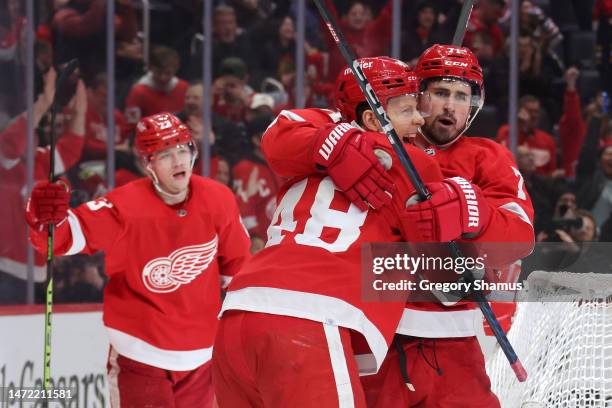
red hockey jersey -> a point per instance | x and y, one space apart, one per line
13 190
311 265
480 161
490 166
164 265
255 187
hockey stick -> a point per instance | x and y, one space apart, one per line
519 370
462 23
59 84
415 179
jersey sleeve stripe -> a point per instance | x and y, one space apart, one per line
8 164
59 163
292 116
518 210
78 238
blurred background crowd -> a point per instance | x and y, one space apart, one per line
564 146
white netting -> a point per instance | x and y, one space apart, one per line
564 341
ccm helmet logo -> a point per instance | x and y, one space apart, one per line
456 64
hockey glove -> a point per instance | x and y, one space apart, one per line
456 209
48 204
346 154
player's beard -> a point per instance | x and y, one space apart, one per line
440 134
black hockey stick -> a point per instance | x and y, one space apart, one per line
462 23
519 370
64 74
415 179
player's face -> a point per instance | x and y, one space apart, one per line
450 108
173 168
405 116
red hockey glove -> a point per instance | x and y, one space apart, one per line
456 209
48 204
347 155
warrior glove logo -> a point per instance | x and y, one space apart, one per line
332 140
164 275
471 201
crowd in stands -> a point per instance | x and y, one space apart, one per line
564 130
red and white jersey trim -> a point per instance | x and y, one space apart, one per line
139 350
518 210
78 238
225 280
311 306
339 367
430 324
334 116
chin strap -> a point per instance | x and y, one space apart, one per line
158 186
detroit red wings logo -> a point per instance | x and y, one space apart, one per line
163 275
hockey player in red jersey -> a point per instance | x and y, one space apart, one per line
284 339
445 336
444 362
170 240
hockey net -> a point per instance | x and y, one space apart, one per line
562 333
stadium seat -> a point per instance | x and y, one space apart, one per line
581 48
588 84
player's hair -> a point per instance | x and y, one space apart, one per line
162 57
362 107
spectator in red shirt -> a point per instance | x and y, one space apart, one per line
96 133
572 128
422 33
367 36
485 17
79 30
159 90
13 245
542 146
